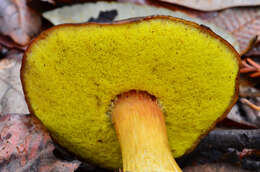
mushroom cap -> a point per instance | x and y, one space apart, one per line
72 72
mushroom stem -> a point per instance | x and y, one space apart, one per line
141 130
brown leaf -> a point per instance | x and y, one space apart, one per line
18 21
242 23
243 114
254 51
213 5
236 119
8 43
218 167
230 123
250 115
251 45
11 94
25 145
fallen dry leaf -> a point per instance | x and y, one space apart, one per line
243 115
213 5
25 145
18 21
8 43
242 23
230 123
250 104
11 94
250 115
254 51
251 45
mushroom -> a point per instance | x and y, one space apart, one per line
157 83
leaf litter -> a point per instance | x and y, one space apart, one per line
233 24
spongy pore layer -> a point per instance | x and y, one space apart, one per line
72 72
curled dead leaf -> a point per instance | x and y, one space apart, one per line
11 94
242 23
254 50
18 21
8 43
212 5
25 145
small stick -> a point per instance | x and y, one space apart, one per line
255 75
253 106
253 63
231 138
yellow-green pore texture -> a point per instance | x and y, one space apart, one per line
71 76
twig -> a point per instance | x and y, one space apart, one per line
232 138
247 102
253 63
251 45
250 66
222 145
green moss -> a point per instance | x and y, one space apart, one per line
72 75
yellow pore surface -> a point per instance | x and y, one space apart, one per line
72 74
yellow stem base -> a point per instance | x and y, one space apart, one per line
141 131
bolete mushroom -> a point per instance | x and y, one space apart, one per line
81 79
